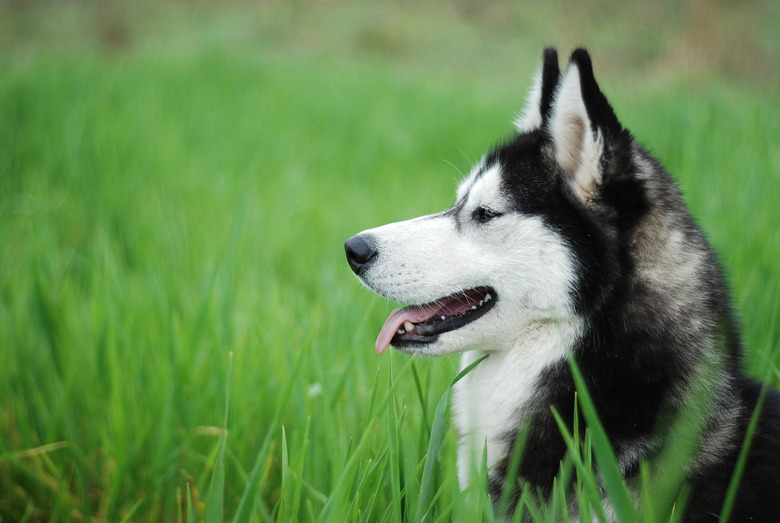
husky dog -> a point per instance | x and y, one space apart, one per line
570 241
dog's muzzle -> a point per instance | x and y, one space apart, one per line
360 252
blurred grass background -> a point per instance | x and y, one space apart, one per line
176 183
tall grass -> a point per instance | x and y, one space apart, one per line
162 212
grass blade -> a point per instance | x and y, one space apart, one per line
510 480
731 493
421 398
394 457
616 488
248 497
285 476
190 511
437 434
681 443
590 493
215 500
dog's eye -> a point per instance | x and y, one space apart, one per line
483 214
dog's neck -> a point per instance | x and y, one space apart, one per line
491 401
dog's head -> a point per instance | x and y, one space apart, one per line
532 218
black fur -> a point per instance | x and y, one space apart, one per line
550 76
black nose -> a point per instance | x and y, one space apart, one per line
359 253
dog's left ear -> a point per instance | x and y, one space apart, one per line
540 97
580 124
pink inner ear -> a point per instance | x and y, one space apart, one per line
577 150
569 152
569 122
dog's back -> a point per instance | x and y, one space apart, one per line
758 487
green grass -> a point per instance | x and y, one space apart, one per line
180 336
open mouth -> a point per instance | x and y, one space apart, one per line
421 324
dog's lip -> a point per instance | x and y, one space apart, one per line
431 319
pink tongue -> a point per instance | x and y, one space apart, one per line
395 321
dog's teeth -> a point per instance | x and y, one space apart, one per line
481 303
488 297
473 307
401 331
443 317
408 325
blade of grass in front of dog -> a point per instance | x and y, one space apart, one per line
608 467
731 493
557 509
589 479
558 505
214 503
510 479
645 475
485 505
437 434
678 510
681 442
585 474
529 507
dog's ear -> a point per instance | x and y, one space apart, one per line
540 97
580 123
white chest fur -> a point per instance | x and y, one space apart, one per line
490 402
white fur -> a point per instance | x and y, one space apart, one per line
465 185
531 116
577 149
492 398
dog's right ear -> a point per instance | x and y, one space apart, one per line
539 101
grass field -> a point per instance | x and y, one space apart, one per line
180 335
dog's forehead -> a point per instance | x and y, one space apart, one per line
482 184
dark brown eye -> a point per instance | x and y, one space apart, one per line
484 215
